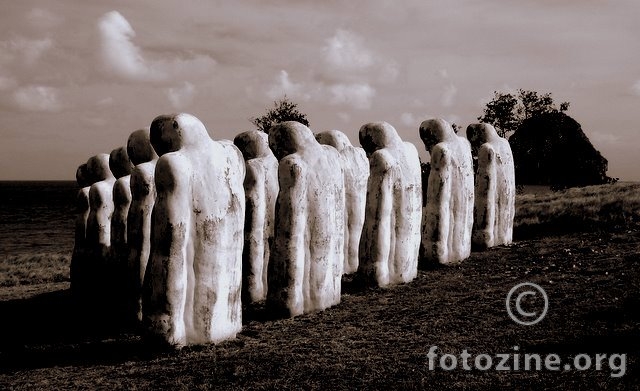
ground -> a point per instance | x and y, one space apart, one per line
375 339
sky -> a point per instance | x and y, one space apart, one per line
77 77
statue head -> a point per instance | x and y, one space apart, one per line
98 167
434 131
170 133
252 144
139 147
289 137
119 162
335 138
378 135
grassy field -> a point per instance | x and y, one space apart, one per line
587 262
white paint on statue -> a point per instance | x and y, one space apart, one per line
261 191
81 250
390 240
192 288
448 214
306 263
495 187
121 167
100 208
356 175
143 197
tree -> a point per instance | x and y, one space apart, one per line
283 110
507 111
551 149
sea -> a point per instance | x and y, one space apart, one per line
37 218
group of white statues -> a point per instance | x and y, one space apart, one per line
187 228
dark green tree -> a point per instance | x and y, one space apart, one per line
551 149
282 110
507 111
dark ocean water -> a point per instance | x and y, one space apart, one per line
37 218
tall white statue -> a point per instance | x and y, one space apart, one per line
121 167
100 209
81 251
356 175
261 191
495 187
390 240
143 197
448 214
306 263
192 287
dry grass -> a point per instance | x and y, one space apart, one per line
34 269
600 207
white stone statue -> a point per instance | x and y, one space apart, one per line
305 267
448 214
81 251
390 240
495 187
100 209
356 175
261 191
192 287
121 167
143 197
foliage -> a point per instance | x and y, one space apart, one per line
282 110
507 111
551 149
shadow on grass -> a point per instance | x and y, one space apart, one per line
52 329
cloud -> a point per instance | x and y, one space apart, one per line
345 51
448 95
636 88
413 120
182 96
285 86
27 50
120 55
37 98
357 95
7 83
43 19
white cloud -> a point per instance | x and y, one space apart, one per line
182 96
7 83
357 95
43 19
636 88
413 120
37 98
345 51
120 55
285 86
27 50
345 117
448 95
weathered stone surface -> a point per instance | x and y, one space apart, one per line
448 214
81 250
261 191
121 167
192 288
143 197
305 267
356 175
391 236
495 187
100 209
